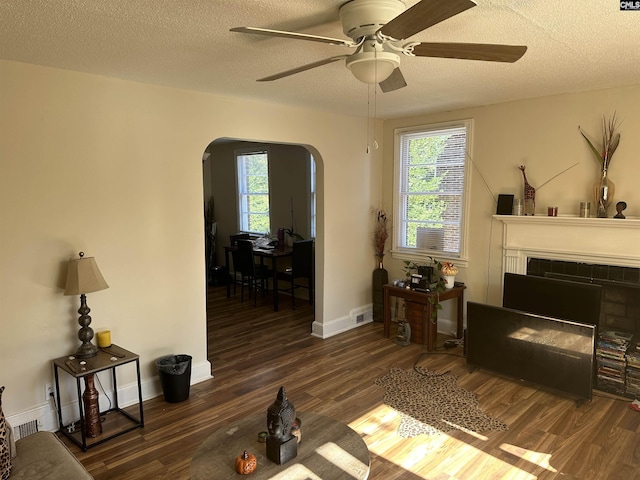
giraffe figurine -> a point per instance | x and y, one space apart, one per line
529 195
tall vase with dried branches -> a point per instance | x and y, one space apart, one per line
380 276
604 188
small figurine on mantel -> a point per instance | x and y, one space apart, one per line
529 194
620 206
282 445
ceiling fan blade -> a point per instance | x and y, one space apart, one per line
302 68
423 15
395 81
294 35
471 51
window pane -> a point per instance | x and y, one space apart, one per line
253 191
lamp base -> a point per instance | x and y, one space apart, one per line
85 334
86 350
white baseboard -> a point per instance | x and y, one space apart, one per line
356 318
348 322
47 417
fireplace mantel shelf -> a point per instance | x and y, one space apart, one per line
629 222
602 241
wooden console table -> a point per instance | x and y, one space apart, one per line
430 329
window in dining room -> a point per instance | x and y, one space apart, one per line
253 191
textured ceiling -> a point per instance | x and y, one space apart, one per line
572 46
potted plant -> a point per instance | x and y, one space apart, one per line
292 236
436 287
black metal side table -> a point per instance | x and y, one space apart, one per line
116 420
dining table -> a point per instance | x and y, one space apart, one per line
264 252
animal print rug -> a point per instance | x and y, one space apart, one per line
432 403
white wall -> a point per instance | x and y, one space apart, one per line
541 133
114 168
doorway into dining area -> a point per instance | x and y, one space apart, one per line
265 190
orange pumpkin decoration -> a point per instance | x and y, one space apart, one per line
246 463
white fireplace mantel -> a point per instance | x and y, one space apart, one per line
603 241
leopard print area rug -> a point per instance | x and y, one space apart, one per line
432 403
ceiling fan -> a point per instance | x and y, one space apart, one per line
378 30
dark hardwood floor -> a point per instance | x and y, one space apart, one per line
254 351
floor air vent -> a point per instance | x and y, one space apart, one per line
25 429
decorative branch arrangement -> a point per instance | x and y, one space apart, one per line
380 232
610 141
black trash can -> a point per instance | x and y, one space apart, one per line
175 377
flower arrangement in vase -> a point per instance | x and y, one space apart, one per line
449 272
604 188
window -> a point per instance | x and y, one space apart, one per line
312 169
253 191
429 190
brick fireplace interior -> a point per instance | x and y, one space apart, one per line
620 308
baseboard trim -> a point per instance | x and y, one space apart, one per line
47 418
343 324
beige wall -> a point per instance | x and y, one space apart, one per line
114 168
542 134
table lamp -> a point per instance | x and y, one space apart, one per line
83 276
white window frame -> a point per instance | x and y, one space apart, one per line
421 255
243 213
312 189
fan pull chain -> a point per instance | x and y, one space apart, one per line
368 115
375 104
372 124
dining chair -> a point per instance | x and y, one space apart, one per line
233 241
252 275
301 268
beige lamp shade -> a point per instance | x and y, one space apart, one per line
83 276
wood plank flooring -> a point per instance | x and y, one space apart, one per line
254 351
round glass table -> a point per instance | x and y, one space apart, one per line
329 449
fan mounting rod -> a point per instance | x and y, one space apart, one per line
363 18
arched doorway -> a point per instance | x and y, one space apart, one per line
292 192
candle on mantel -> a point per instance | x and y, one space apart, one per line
104 338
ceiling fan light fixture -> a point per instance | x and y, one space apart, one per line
372 67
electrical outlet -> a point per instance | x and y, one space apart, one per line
48 391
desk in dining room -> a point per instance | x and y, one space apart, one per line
264 253
430 328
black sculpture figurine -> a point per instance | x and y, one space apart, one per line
282 445
620 206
